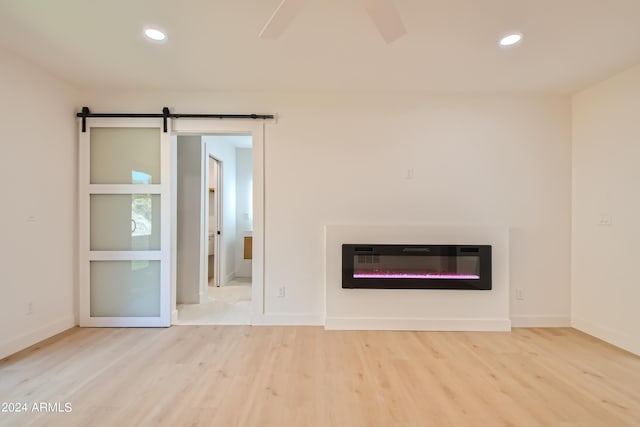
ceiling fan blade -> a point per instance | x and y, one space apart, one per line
385 15
281 18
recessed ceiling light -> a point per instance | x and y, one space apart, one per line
510 39
154 34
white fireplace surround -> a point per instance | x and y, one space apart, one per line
417 309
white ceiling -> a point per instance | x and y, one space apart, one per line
451 45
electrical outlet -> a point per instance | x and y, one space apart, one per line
519 294
281 292
409 174
605 220
29 310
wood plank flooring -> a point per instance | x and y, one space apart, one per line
306 376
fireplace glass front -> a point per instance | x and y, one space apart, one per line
416 266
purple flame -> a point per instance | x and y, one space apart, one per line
414 276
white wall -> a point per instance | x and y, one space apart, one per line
244 223
225 152
38 174
189 220
606 153
477 160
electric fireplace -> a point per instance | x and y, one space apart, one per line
416 266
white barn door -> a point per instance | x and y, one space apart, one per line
124 223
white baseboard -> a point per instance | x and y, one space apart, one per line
403 324
540 321
174 317
624 341
286 319
14 345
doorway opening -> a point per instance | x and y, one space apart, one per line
217 259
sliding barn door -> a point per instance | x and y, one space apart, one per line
124 203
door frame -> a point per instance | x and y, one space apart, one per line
227 127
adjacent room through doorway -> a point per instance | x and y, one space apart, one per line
215 229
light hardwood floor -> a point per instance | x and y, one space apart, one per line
298 376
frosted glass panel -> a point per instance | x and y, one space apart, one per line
125 222
125 156
125 288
